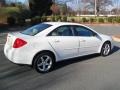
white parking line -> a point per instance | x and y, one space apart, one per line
1 34
116 38
2 44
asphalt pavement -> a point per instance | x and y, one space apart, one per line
92 72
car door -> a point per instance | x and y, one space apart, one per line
63 42
89 40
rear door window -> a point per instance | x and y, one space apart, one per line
82 31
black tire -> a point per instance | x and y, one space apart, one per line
106 49
39 61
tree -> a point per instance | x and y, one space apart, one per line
100 4
63 6
115 11
40 7
55 9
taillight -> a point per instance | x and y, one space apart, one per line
19 43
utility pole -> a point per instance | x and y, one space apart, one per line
77 2
95 8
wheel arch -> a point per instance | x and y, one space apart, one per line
43 52
107 41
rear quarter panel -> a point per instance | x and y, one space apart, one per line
36 45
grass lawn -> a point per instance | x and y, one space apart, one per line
6 11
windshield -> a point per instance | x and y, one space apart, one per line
36 29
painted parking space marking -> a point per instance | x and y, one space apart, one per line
116 38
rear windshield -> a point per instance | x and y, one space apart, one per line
35 29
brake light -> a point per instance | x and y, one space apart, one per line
19 43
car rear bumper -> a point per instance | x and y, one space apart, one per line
15 56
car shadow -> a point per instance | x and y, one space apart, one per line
80 59
74 60
115 49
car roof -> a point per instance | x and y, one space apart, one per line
62 23
57 24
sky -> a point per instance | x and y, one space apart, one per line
17 0
75 6
116 4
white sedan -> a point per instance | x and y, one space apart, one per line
47 43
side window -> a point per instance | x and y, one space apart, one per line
62 31
82 31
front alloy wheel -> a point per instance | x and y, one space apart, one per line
44 62
106 49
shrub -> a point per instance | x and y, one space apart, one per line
53 18
8 10
58 18
114 19
110 19
22 15
36 20
43 19
64 18
92 20
11 20
118 19
85 20
101 20
21 21
72 20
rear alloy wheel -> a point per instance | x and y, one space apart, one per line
106 49
44 62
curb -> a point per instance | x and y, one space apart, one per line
116 38
100 24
